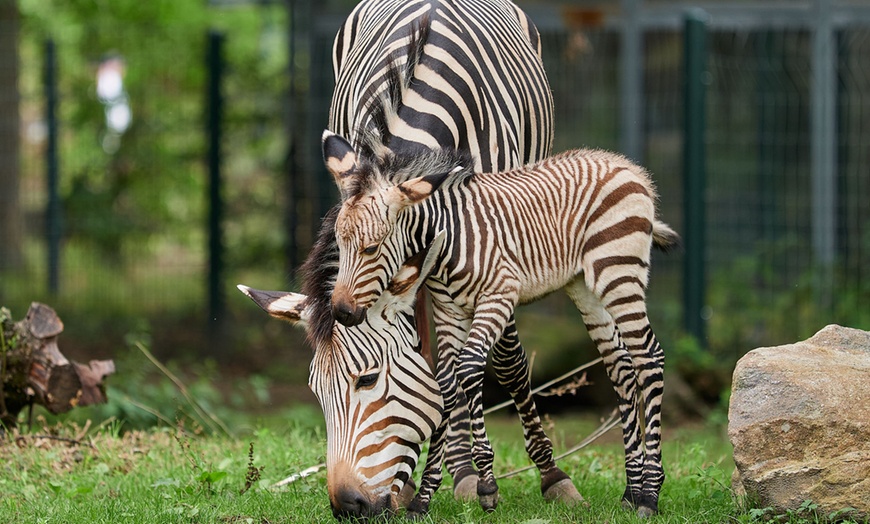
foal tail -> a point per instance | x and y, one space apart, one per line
664 238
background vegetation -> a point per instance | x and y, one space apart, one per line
134 247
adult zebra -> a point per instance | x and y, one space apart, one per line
431 74
583 220
378 393
412 76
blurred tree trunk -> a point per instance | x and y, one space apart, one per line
10 209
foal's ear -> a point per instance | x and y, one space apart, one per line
401 293
416 190
340 160
280 304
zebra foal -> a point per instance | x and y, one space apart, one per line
583 220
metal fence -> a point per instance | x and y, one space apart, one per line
787 142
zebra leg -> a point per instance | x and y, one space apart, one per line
653 388
432 473
626 303
621 372
650 355
451 333
511 367
457 452
490 319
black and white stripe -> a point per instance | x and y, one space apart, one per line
378 393
582 220
414 76
424 74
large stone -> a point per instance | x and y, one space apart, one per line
799 421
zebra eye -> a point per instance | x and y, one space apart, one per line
370 250
366 381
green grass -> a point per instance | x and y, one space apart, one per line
164 475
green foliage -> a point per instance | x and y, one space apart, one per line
147 190
164 475
807 513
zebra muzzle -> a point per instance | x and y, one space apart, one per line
351 503
347 313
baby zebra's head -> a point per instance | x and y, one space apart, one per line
371 231
377 391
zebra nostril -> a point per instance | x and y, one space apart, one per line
351 503
342 312
359 314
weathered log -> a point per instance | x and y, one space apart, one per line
33 370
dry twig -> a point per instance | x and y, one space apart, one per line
209 418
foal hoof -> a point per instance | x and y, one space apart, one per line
487 494
643 509
488 502
466 489
646 511
565 492
407 494
417 509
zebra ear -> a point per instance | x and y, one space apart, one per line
340 159
401 294
280 304
415 190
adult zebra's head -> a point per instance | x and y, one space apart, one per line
378 393
372 239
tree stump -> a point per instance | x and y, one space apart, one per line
33 370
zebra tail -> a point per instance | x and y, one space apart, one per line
665 238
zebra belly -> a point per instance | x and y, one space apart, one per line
535 288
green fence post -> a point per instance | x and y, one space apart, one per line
53 211
215 213
694 173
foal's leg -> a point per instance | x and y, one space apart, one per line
648 358
457 451
432 473
491 316
621 371
511 367
626 304
451 333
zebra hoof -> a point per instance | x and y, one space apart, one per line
417 509
565 492
466 489
407 494
487 494
644 509
488 502
646 512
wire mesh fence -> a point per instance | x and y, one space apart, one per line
135 207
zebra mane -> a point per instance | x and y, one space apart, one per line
395 168
318 279
406 165
374 136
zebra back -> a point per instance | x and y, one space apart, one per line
540 225
427 74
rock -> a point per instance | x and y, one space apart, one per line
799 421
